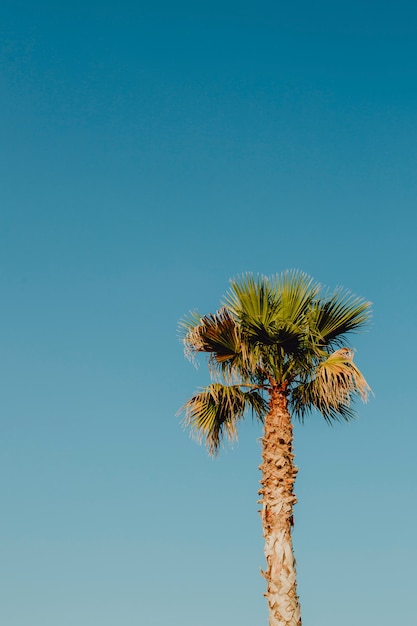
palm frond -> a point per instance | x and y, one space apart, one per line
337 314
295 291
213 412
216 333
331 388
338 377
271 311
186 328
221 338
250 301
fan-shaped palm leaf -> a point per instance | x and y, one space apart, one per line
217 333
272 312
215 410
295 291
251 302
337 314
220 336
331 388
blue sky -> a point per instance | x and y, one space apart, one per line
151 151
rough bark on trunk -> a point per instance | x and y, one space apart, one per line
278 499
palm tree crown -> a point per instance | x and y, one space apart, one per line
283 332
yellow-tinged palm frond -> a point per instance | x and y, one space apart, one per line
333 385
337 378
220 336
216 333
213 412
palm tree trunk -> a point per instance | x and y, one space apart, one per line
278 499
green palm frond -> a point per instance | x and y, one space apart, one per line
213 412
295 291
251 302
337 314
272 312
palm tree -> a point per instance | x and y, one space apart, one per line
277 347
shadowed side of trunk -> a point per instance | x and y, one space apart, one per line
278 499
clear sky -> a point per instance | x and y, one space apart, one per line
149 152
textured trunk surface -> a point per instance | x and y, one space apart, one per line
278 499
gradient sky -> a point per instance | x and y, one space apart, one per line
151 151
